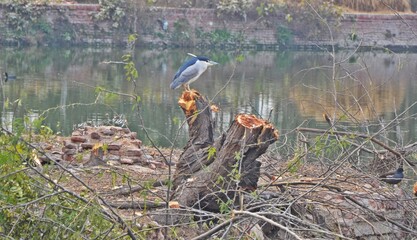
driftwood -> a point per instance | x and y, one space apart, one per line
208 170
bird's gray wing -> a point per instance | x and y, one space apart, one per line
189 73
186 75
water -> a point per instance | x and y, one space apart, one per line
291 88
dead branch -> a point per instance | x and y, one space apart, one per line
136 204
125 190
371 138
111 214
340 190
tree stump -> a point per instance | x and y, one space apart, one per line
198 114
208 170
96 156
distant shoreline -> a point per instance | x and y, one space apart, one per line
78 25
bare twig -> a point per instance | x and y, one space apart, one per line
263 218
104 202
371 138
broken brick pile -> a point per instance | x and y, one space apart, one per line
120 145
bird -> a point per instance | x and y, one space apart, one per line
8 77
191 71
163 23
415 189
393 177
328 119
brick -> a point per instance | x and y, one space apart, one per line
95 135
136 142
87 145
78 139
69 145
126 161
133 152
114 146
107 132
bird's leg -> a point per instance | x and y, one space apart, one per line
187 87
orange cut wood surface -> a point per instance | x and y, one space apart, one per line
415 189
187 101
250 121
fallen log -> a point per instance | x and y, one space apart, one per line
210 172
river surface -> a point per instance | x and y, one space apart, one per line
365 91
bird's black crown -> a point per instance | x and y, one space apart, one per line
203 58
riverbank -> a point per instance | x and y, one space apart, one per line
348 202
82 24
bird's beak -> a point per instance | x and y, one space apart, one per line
211 63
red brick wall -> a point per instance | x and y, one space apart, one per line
379 30
371 30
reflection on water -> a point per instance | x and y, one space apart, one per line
360 91
61 85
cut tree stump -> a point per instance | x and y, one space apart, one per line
200 122
208 170
96 156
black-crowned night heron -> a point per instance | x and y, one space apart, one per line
393 177
191 71
163 23
8 77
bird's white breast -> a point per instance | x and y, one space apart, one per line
202 67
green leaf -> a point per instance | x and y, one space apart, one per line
132 38
126 57
237 156
211 152
99 89
240 58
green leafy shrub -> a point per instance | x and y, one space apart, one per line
20 15
112 10
376 5
181 34
34 206
235 7
284 35
219 37
309 19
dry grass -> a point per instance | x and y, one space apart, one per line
360 5
347 5
376 5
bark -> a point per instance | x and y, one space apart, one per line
202 180
198 114
96 157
